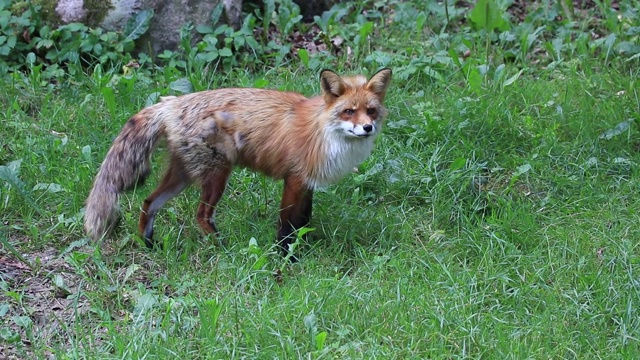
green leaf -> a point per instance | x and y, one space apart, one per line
182 85
260 263
474 79
5 16
522 169
9 335
420 21
487 15
310 321
458 164
204 29
138 25
46 43
608 42
454 57
216 13
86 153
225 52
145 303
22 321
433 73
110 100
320 339
499 73
512 79
291 23
12 169
558 44
303 54
568 6
209 312
9 173
52 188
74 27
208 56
11 41
302 231
238 42
636 56
58 281
617 130
366 29
131 269
261 83
152 99
45 31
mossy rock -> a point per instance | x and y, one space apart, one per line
96 11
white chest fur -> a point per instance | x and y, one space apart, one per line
342 154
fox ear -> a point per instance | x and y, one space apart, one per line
332 84
379 82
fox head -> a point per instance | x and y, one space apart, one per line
355 103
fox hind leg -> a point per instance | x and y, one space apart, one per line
175 180
213 186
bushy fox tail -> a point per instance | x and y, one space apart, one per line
126 164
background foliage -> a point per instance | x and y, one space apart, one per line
497 217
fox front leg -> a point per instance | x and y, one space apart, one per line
295 212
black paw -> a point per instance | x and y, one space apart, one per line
148 239
284 246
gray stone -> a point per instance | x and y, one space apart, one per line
71 10
169 17
122 10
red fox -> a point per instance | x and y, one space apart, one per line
308 142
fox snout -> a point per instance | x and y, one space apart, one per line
364 130
360 130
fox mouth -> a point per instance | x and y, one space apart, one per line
365 135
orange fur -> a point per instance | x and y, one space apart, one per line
307 142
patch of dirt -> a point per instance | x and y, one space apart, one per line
33 293
56 296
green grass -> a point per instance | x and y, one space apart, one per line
491 222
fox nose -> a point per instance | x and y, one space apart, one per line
367 128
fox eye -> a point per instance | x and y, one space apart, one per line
371 111
349 112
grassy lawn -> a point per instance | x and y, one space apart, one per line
498 216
